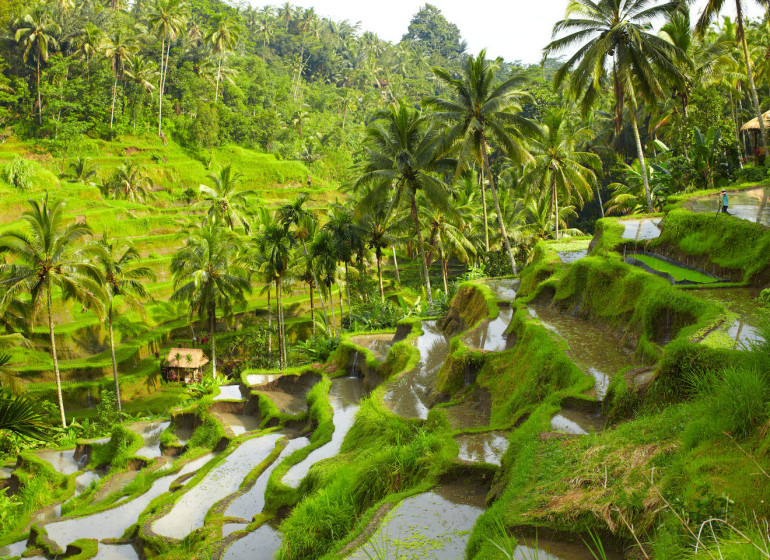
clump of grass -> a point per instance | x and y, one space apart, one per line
19 173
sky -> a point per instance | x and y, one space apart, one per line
512 29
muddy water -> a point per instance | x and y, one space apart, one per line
116 552
504 288
257 379
544 549
224 479
379 344
745 329
84 481
344 396
289 392
486 447
751 205
577 422
5 472
229 393
252 502
63 461
592 349
431 526
641 230
569 257
239 423
493 337
408 396
260 544
112 523
150 431
14 549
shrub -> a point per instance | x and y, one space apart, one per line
740 400
18 174
751 175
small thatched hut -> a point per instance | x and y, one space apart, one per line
753 127
185 364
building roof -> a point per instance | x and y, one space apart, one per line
197 358
753 124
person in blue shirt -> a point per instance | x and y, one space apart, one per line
725 201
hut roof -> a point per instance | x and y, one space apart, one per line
197 358
753 124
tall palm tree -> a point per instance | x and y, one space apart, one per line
129 182
378 225
323 257
481 112
559 165
118 49
712 9
142 73
402 152
167 19
48 257
294 214
223 37
618 40
347 241
447 236
117 260
87 45
276 243
36 31
225 203
207 274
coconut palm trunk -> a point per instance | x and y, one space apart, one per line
114 361
269 324
40 106
395 264
331 306
315 281
160 85
442 257
312 305
639 148
347 289
55 358
342 309
219 74
421 251
500 220
484 209
556 206
750 75
212 331
114 94
379 271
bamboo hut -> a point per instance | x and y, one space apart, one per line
753 127
185 364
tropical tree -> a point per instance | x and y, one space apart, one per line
45 258
712 9
559 167
207 274
118 50
378 226
167 19
481 112
223 37
447 236
225 203
81 170
142 73
19 415
129 182
117 261
36 31
323 258
294 214
347 241
275 243
87 45
402 151
617 45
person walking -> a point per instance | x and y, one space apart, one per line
725 201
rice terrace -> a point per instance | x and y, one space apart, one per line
275 286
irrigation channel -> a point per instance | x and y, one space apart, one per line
211 489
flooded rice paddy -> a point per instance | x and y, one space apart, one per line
229 393
260 544
745 329
150 431
568 257
750 205
641 230
491 336
256 379
379 344
484 447
577 422
239 423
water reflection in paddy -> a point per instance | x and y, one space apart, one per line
116 552
14 549
598 354
641 230
239 423
229 393
379 344
63 461
577 422
224 479
112 523
259 379
150 431
485 447
750 205
408 395
568 257
504 288
745 329
260 544
345 395
492 337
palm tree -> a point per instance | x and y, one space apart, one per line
87 44
35 32
207 274
323 257
141 74
116 261
81 170
45 258
118 50
225 203
377 226
712 9
483 111
129 182
347 241
275 244
446 234
265 26
168 19
20 416
559 166
295 214
618 40
224 37
402 153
